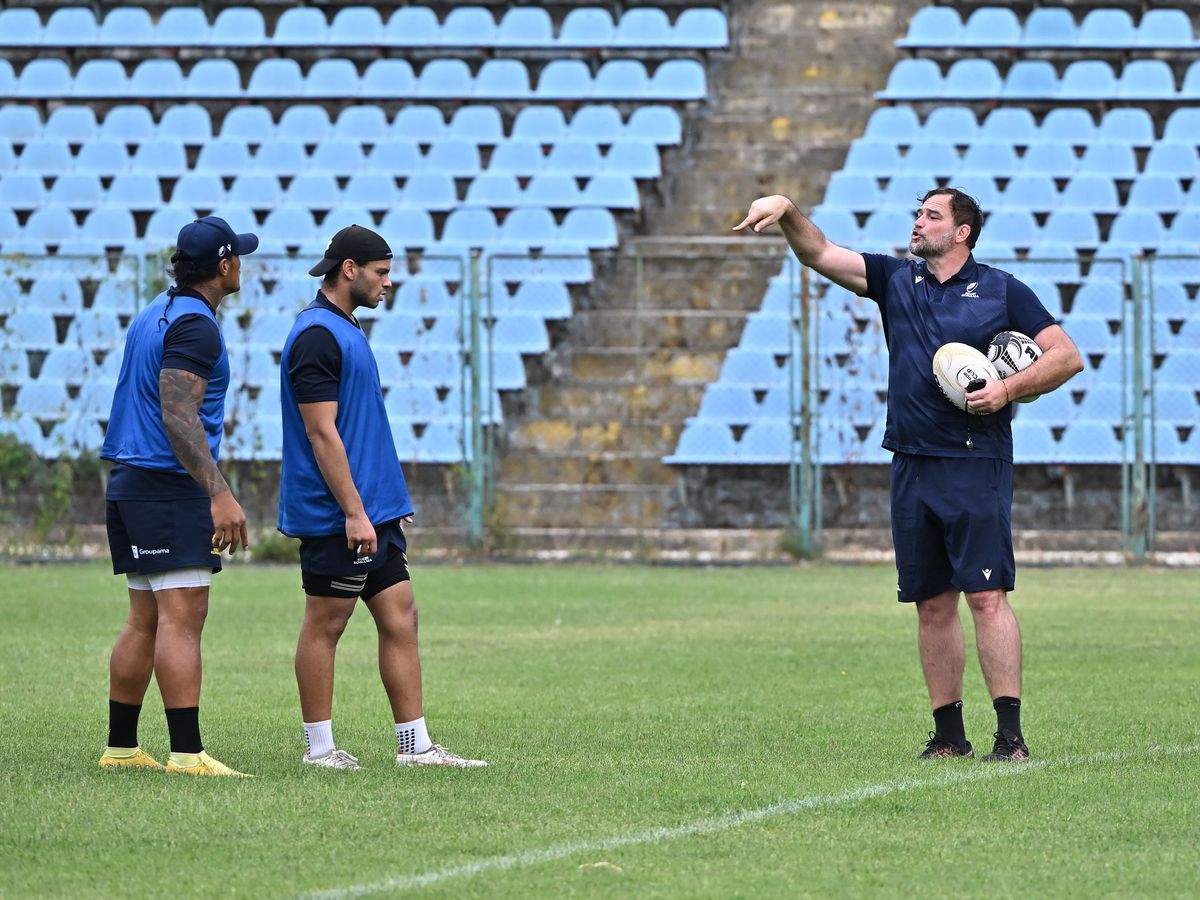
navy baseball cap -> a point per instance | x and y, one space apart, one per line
211 239
352 242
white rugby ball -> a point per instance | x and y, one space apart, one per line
955 366
1011 352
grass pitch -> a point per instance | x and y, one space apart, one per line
651 732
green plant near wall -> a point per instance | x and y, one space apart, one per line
40 491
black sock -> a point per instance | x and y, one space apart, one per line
948 723
184 725
1008 714
122 724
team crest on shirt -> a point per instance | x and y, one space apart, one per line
970 291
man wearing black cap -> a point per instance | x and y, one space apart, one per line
342 492
170 511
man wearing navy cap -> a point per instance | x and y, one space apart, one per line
342 492
170 511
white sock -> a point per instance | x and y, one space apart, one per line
319 736
411 737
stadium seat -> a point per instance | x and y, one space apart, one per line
1146 79
539 124
1057 160
1050 27
1139 227
543 297
249 124
997 158
564 79
20 27
704 442
22 190
872 157
525 27
502 79
658 124
478 124
276 78
1069 125
445 79
913 79
388 78
70 27
430 191
1174 159
1165 28
855 192
44 78
1088 79
578 158
1072 226
412 26
700 28
1090 193
76 191
587 27
157 78
238 26
553 190
127 124
675 79
643 27
1157 193
1015 125
32 329
593 228
1128 125
214 78
1031 79
1012 227
19 123
73 124
991 26
356 26
751 368
624 79
1035 193
1114 160
184 26
188 123
301 26
469 26
596 125
456 158
933 26
893 124
495 190
1106 28
331 79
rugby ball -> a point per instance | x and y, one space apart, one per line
1011 352
955 366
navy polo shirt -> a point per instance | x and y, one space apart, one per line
919 316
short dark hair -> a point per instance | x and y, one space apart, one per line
187 272
964 208
331 277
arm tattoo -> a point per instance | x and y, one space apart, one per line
181 394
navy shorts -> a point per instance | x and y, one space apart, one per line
148 536
951 525
329 568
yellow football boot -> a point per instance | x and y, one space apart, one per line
200 764
128 758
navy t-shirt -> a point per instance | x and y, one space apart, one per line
315 364
192 343
919 316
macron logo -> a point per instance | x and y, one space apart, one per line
918 279
987 574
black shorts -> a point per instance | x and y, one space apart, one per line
951 525
360 584
148 536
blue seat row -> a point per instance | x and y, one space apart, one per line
1083 80
309 123
364 26
338 79
1049 27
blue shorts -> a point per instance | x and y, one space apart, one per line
328 568
148 536
951 525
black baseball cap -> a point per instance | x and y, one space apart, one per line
352 242
211 239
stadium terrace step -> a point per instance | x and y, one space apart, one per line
642 366
565 435
588 401
601 507
597 468
687 329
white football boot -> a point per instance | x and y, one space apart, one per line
334 759
437 755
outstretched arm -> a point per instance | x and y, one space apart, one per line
181 394
812 248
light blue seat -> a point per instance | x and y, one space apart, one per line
956 122
577 158
1074 227
634 158
276 78
894 124
1089 79
1031 79
587 27
200 191
457 158
903 193
313 191
1140 227
430 191
182 26
613 190
95 330
933 26
502 79
1013 124
991 157
1091 193
442 442
44 78
1107 28
1114 160
238 26
100 78
20 123
1183 126
32 329
495 190
249 124
934 160
872 157
541 124
1035 193
853 191
1012 227
1146 79
332 79
412 403
154 78
643 27
517 157
1050 27
397 330
565 79
593 227
1068 125
304 123
751 368
372 189
1171 403
110 226
525 27
1033 442
421 296
388 78
365 124
839 225
728 403
283 158
525 334
301 26
1165 28
420 123
623 79
1057 160
356 26
991 26
291 226
214 78
767 333
103 157
704 442
479 124
556 191
412 26
469 26
1127 125
470 227
128 125
543 297
913 79
220 157
188 123
676 79
446 79
766 442
45 401
20 28
1056 261
73 124
1157 193
1091 334
701 28
135 190
46 157
70 27
77 191
597 125
659 124
982 188
58 294
64 364
338 156
1175 159
23 190
1047 291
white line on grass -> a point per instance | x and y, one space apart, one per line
729 821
